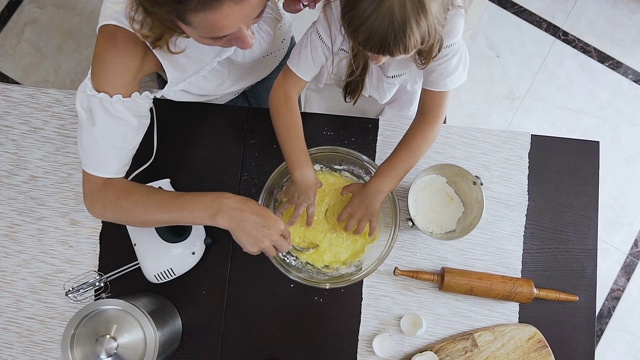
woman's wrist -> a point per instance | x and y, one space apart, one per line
219 209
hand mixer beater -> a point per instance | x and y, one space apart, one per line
93 285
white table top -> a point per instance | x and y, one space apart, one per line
47 235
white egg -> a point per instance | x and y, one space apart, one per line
427 355
412 324
384 346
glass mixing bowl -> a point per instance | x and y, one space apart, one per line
361 168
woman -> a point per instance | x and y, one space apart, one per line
218 51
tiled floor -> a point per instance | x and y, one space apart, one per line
521 78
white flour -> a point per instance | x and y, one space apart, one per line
435 206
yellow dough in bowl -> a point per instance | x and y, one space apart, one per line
334 248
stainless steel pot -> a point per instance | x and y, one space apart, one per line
467 186
142 326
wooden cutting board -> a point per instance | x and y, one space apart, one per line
508 342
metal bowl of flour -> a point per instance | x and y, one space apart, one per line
445 201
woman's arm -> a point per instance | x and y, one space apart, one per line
367 198
120 61
287 123
121 201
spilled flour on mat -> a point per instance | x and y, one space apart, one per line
437 205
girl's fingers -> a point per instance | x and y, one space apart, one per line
311 212
373 226
296 214
360 228
343 216
346 190
350 225
283 207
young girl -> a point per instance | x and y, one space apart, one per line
218 51
392 59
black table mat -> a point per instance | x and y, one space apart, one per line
561 241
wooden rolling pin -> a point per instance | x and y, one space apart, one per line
486 285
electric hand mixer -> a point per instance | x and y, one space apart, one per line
163 254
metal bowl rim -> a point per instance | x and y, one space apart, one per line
393 233
466 172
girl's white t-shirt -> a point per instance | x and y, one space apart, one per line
111 128
392 89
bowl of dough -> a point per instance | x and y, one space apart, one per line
324 255
445 201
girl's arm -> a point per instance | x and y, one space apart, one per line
300 193
120 61
367 198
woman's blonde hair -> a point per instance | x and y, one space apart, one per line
390 28
156 21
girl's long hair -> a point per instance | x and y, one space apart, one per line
156 21
390 28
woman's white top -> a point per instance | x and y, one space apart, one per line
391 89
111 128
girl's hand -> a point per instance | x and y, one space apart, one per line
299 194
255 228
295 6
363 208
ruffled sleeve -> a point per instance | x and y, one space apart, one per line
448 69
110 129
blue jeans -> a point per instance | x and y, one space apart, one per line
257 95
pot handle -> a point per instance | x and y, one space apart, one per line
478 180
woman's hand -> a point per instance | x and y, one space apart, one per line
255 228
300 194
363 208
295 6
